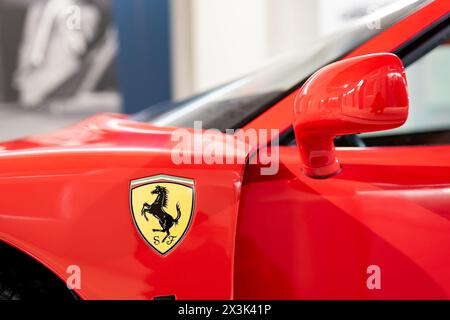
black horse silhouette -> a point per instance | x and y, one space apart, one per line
156 209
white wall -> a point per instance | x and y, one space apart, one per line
334 14
216 41
229 40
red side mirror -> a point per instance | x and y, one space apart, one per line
362 94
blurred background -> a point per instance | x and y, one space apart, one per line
63 60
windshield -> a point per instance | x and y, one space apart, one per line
234 104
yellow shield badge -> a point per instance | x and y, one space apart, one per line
162 208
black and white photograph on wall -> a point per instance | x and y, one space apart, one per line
57 64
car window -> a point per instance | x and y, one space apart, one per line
234 104
429 115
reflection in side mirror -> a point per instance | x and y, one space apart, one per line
362 94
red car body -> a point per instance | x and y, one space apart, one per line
65 201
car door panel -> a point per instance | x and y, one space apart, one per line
306 238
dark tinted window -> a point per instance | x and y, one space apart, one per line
429 115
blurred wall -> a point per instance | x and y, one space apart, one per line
334 14
215 41
144 54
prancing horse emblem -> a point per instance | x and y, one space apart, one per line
156 209
162 207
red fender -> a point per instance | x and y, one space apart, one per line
65 201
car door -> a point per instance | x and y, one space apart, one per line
378 230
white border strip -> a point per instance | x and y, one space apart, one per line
162 177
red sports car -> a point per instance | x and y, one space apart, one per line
335 186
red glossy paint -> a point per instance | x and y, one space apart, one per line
362 94
65 201
303 238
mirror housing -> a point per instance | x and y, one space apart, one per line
356 95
